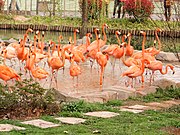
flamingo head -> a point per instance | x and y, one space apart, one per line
129 34
123 44
37 32
89 35
105 25
118 33
29 30
172 68
42 33
143 33
60 37
158 30
76 30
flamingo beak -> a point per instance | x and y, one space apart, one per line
173 72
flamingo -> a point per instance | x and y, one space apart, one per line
83 47
74 70
7 73
111 47
152 50
158 65
101 60
94 45
56 62
37 72
136 70
22 52
129 48
78 55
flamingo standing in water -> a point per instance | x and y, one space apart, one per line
152 50
137 70
78 55
36 71
94 44
75 69
158 65
83 47
101 59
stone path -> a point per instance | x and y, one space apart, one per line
136 108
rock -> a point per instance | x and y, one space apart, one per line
163 83
178 85
11 40
81 41
167 56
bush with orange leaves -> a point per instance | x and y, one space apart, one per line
1 5
140 9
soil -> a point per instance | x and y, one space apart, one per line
172 130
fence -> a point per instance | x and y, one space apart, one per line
69 8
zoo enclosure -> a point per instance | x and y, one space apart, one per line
70 8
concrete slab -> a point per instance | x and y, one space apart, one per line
71 120
131 110
102 114
138 107
40 123
9 127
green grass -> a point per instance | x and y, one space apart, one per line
113 23
160 95
146 123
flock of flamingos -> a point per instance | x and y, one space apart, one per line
30 55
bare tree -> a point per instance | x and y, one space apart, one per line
84 18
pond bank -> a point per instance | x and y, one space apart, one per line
174 34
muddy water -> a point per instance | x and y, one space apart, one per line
89 79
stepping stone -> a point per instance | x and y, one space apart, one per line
40 123
131 110
156 104
71 120
102 114
138 107
9 127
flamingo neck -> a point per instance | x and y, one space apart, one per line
104 34
53 47
166 69
159 42
123 38
42 44
72 45
24 40
129 41
119 42
34 44
87 41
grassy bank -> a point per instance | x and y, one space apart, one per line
113 23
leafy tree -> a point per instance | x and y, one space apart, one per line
140 9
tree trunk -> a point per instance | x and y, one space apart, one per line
84 18
13 5
54 7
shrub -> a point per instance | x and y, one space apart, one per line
26 99
140 9
1 5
